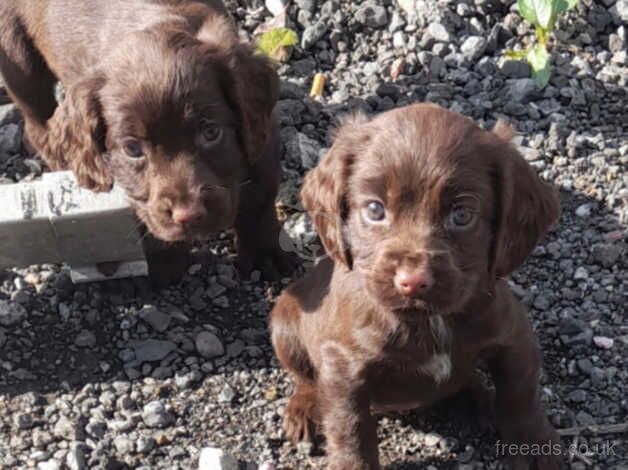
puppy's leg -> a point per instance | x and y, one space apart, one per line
258 246
301 415
526 433
167 262
28 79
348 426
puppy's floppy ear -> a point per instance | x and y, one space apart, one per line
324 189
526 206
251 83
76 134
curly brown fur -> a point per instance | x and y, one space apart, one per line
163 99
422 213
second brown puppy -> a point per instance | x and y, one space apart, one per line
422 213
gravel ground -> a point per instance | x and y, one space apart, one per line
117 375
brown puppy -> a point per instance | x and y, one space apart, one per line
163 99
422 213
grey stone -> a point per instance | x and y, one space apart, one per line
620 11
23 421
607 254
123 445
208 345
578 396
155 415
184 381
150 350
303 149
96 429
212 458
9 114
158 320
603 342
51 464
75 458
473 47
372 16
85 339
276 6
226 395
515 68
439 32
11 313
144 444
10 138
521 90
313 33
66 429
583 211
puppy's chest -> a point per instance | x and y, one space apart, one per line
419 366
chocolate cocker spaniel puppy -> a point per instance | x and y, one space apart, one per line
422 214
163 99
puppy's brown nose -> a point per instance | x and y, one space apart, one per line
188 215
412 282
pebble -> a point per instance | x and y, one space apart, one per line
155 415
212 458
11 313
209 345
10 138
66 429
151 350
123 445
157 319
51 464
603 342
514 68
85 339
607 254
75 459
473 47
227 394
583 211
313 33
439 32
521 90
371 15
9 114
276 6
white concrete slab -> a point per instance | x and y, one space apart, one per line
53 220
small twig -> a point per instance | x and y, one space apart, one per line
595 429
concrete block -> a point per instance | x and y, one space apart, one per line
53 220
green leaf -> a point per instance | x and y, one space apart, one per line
539 61
541 13
272 40
527 10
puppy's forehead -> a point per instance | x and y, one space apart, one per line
162 87
420 149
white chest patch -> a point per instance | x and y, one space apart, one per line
438 367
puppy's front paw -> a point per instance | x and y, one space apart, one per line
273 264
299 416
532 447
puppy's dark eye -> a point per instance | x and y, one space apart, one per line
375 211
133 148
460 217
210 131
